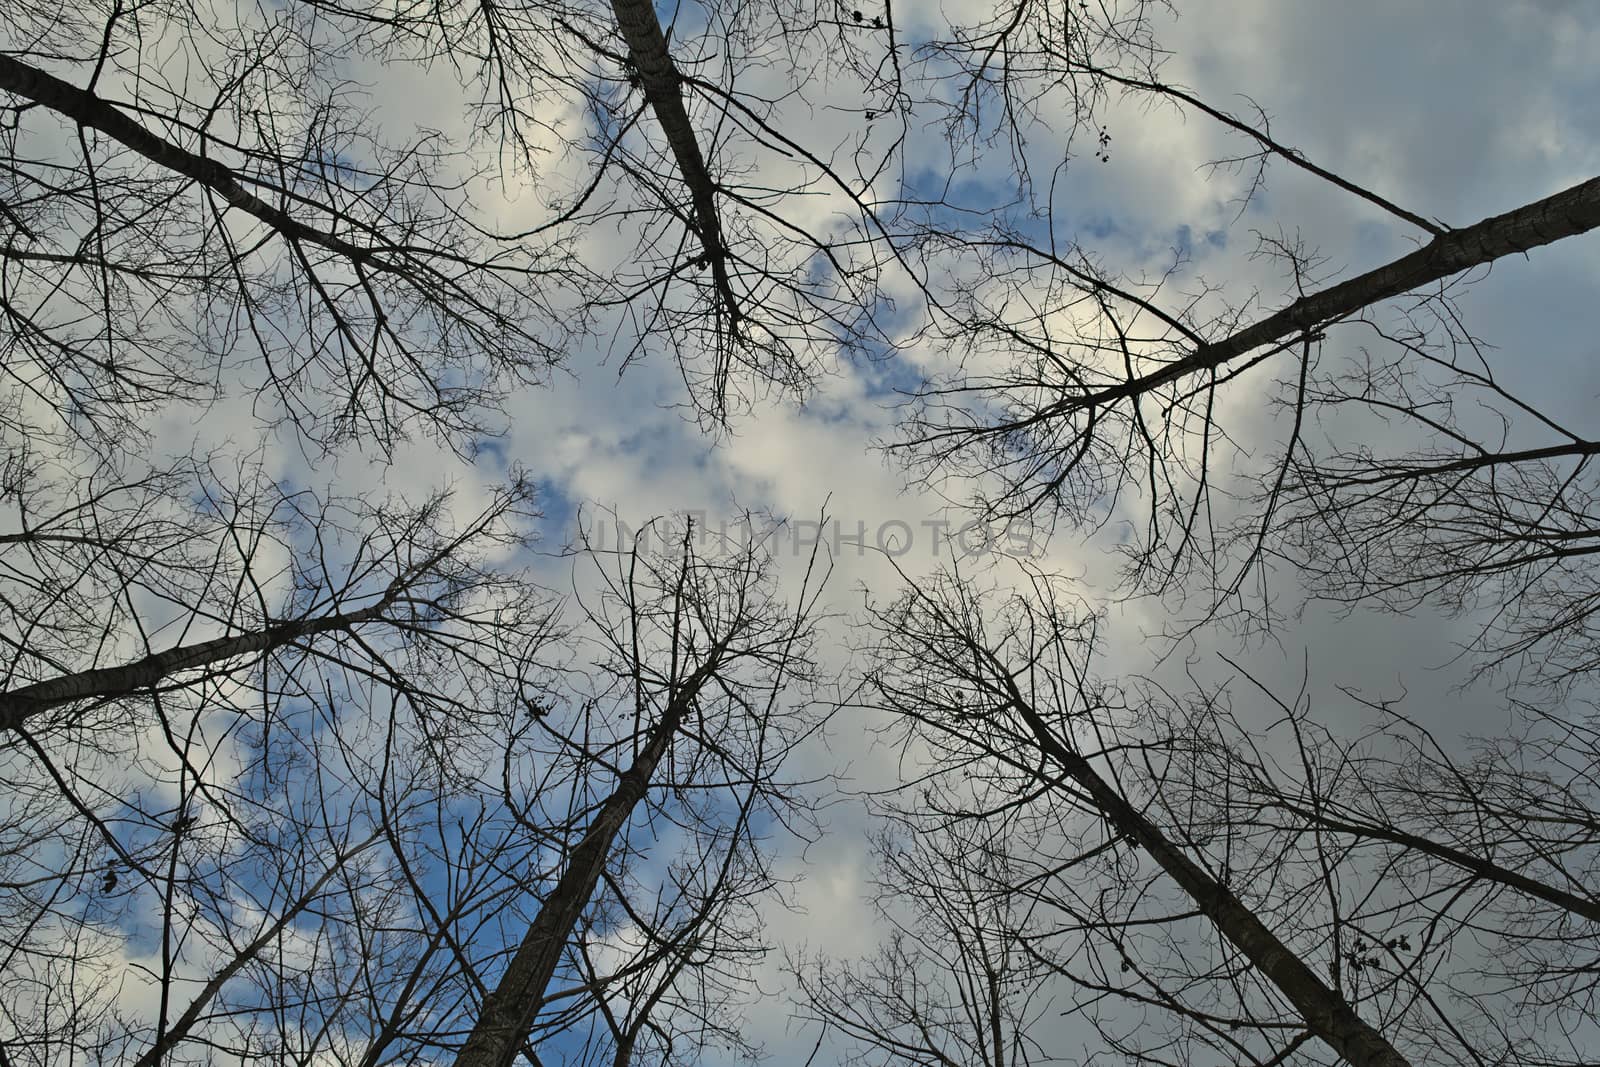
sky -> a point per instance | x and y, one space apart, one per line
1456 111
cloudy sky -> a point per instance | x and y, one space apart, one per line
1455 111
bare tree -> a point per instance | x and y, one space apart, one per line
1252 886
265 717
167 229
340 268
158 243
1004 697
1457 878
701 657
1126 401
956 982
311 807
1406 469
191 717
300 776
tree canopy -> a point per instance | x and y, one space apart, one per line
343 722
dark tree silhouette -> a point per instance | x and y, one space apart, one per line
325 810
310 775
1407 468
1003 695
1459 879
702 658
957 982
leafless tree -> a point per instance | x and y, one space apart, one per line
339 269
1268 888
295 775
702 663
165 238
354 760
230 206
1135 902
955 983
1122 395
199 697
1406 468
251 706
1457 878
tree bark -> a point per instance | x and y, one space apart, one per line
21 704
510 1009
1324 1011
89 110
663 89
1482 868
1566 214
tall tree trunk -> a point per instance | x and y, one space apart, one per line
89 110
663 88
510 1009
1324 1011
24 702
1565 214
1588 907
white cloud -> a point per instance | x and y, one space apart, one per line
1439 112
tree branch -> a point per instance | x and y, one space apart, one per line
1565 214
663 88
19 705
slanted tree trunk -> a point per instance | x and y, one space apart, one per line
1566 214
1588 907
89 110
19 705
510 1009
1326 1013
663 88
